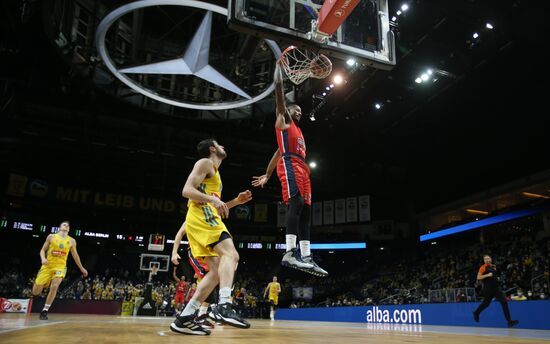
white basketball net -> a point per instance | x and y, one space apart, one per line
297 65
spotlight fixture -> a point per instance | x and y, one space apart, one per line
489 26
404 7
350 62
338 79
475 35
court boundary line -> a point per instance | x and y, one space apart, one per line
32 326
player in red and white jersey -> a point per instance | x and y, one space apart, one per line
294 174
181 290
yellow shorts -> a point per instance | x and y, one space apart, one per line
204 227
47 273
274 299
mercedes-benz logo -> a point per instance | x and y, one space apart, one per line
195 60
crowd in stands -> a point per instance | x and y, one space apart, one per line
523 266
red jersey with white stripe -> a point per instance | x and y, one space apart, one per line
291 141
181 288
292 169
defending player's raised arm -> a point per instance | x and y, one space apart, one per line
282 120
201 170
177 241
76 258
44 249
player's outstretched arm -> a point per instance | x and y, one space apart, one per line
263 179
177 242
282 120
174 274
242 198
76 258
44 249
201 169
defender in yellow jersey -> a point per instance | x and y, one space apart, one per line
209 238
274 289
54 254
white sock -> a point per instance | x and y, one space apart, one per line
203 310
271 314
304 248
290 242
191 307
46 307
225 295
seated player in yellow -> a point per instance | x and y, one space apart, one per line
209 238
274 289
54 255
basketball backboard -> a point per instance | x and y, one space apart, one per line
147 261
365 35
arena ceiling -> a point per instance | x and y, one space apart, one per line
474 125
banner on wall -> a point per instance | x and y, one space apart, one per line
533 314
340 210
317 209
37 189
15 305
17 184
328 212
243 212
260 212
364 208
351 209
281 215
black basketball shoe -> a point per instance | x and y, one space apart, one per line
212 314
205 322
44 315
512 323
229 316
188 325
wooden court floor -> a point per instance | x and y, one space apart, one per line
81 329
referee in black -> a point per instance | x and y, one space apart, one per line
487 275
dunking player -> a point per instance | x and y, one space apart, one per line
293 173
487 274
53 255
209 238
274 289
181 289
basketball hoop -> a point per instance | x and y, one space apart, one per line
300 65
